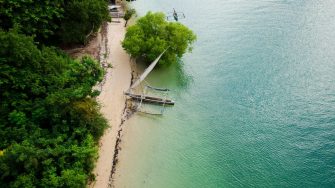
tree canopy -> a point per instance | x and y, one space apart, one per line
49 120
82 18
40 18
54 21
152 34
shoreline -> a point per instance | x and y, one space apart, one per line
113 102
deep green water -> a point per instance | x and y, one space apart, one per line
255 101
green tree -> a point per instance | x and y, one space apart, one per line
49 121
54 21
82 18
152 34
36 18
129 13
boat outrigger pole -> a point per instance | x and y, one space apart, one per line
147 71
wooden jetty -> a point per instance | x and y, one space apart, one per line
149 99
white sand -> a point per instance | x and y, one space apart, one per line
112 101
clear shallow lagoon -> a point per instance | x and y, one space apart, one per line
255 101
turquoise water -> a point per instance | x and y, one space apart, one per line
255 101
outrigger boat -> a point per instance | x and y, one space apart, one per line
175 15
149 99
143 98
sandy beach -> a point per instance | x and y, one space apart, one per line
112 100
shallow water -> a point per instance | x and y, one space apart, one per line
255 100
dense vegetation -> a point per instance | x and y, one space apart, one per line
82 18
50 122
152 34
54 21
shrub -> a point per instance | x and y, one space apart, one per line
56 21
152 34
49 123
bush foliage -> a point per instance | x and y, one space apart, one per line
152 34
54 21
82 18
49 123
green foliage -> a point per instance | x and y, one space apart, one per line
82 18
48 162
49 123
152 34
129 13
33 18
54 21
